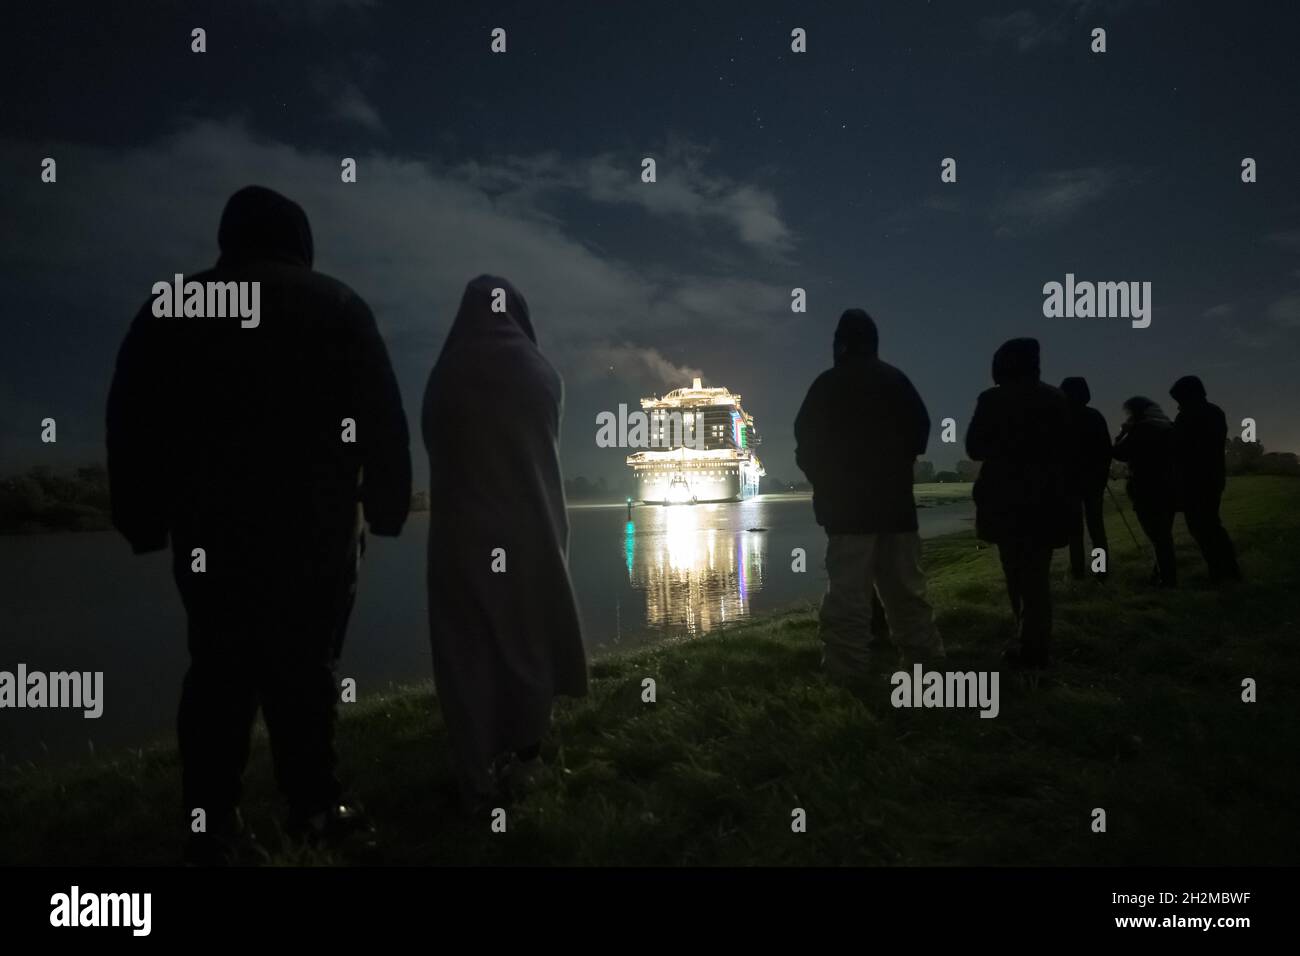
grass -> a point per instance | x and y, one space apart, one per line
927 494
931 493
1142 716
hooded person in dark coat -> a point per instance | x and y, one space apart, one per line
1200 440
233 439
1087 469
1020 431
858 433
1146 444
503 619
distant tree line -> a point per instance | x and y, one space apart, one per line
923 472
575 489
42 499
583 489
1243 458
770 484
1250 458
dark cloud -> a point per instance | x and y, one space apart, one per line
1052 199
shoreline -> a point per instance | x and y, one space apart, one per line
101 521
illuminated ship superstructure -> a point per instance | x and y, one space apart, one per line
712 459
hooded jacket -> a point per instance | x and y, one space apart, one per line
1146 444
857 434
233 439
1087 465
1020 431
1200 441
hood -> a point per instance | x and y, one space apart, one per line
1016 360
1188 390
475 316
1076 389
1142 409
856 334
259 223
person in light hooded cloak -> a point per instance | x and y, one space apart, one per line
503 619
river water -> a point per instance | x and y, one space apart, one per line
83 602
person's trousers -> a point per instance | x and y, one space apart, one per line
1086 508
1206 528
279 656
1027 568
888 564
1157 521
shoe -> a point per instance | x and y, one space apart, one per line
226 843
338 823
857 680
519 777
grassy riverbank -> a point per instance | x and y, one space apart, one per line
1142 716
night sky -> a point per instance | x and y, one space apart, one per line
776 170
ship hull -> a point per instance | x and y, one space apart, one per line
696 485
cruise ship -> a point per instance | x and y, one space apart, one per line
717 463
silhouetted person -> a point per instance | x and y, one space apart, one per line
503 620
861 427
1087 469
1200 439
1146 443
230 439
1020 431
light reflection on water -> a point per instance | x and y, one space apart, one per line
694 569
686 569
